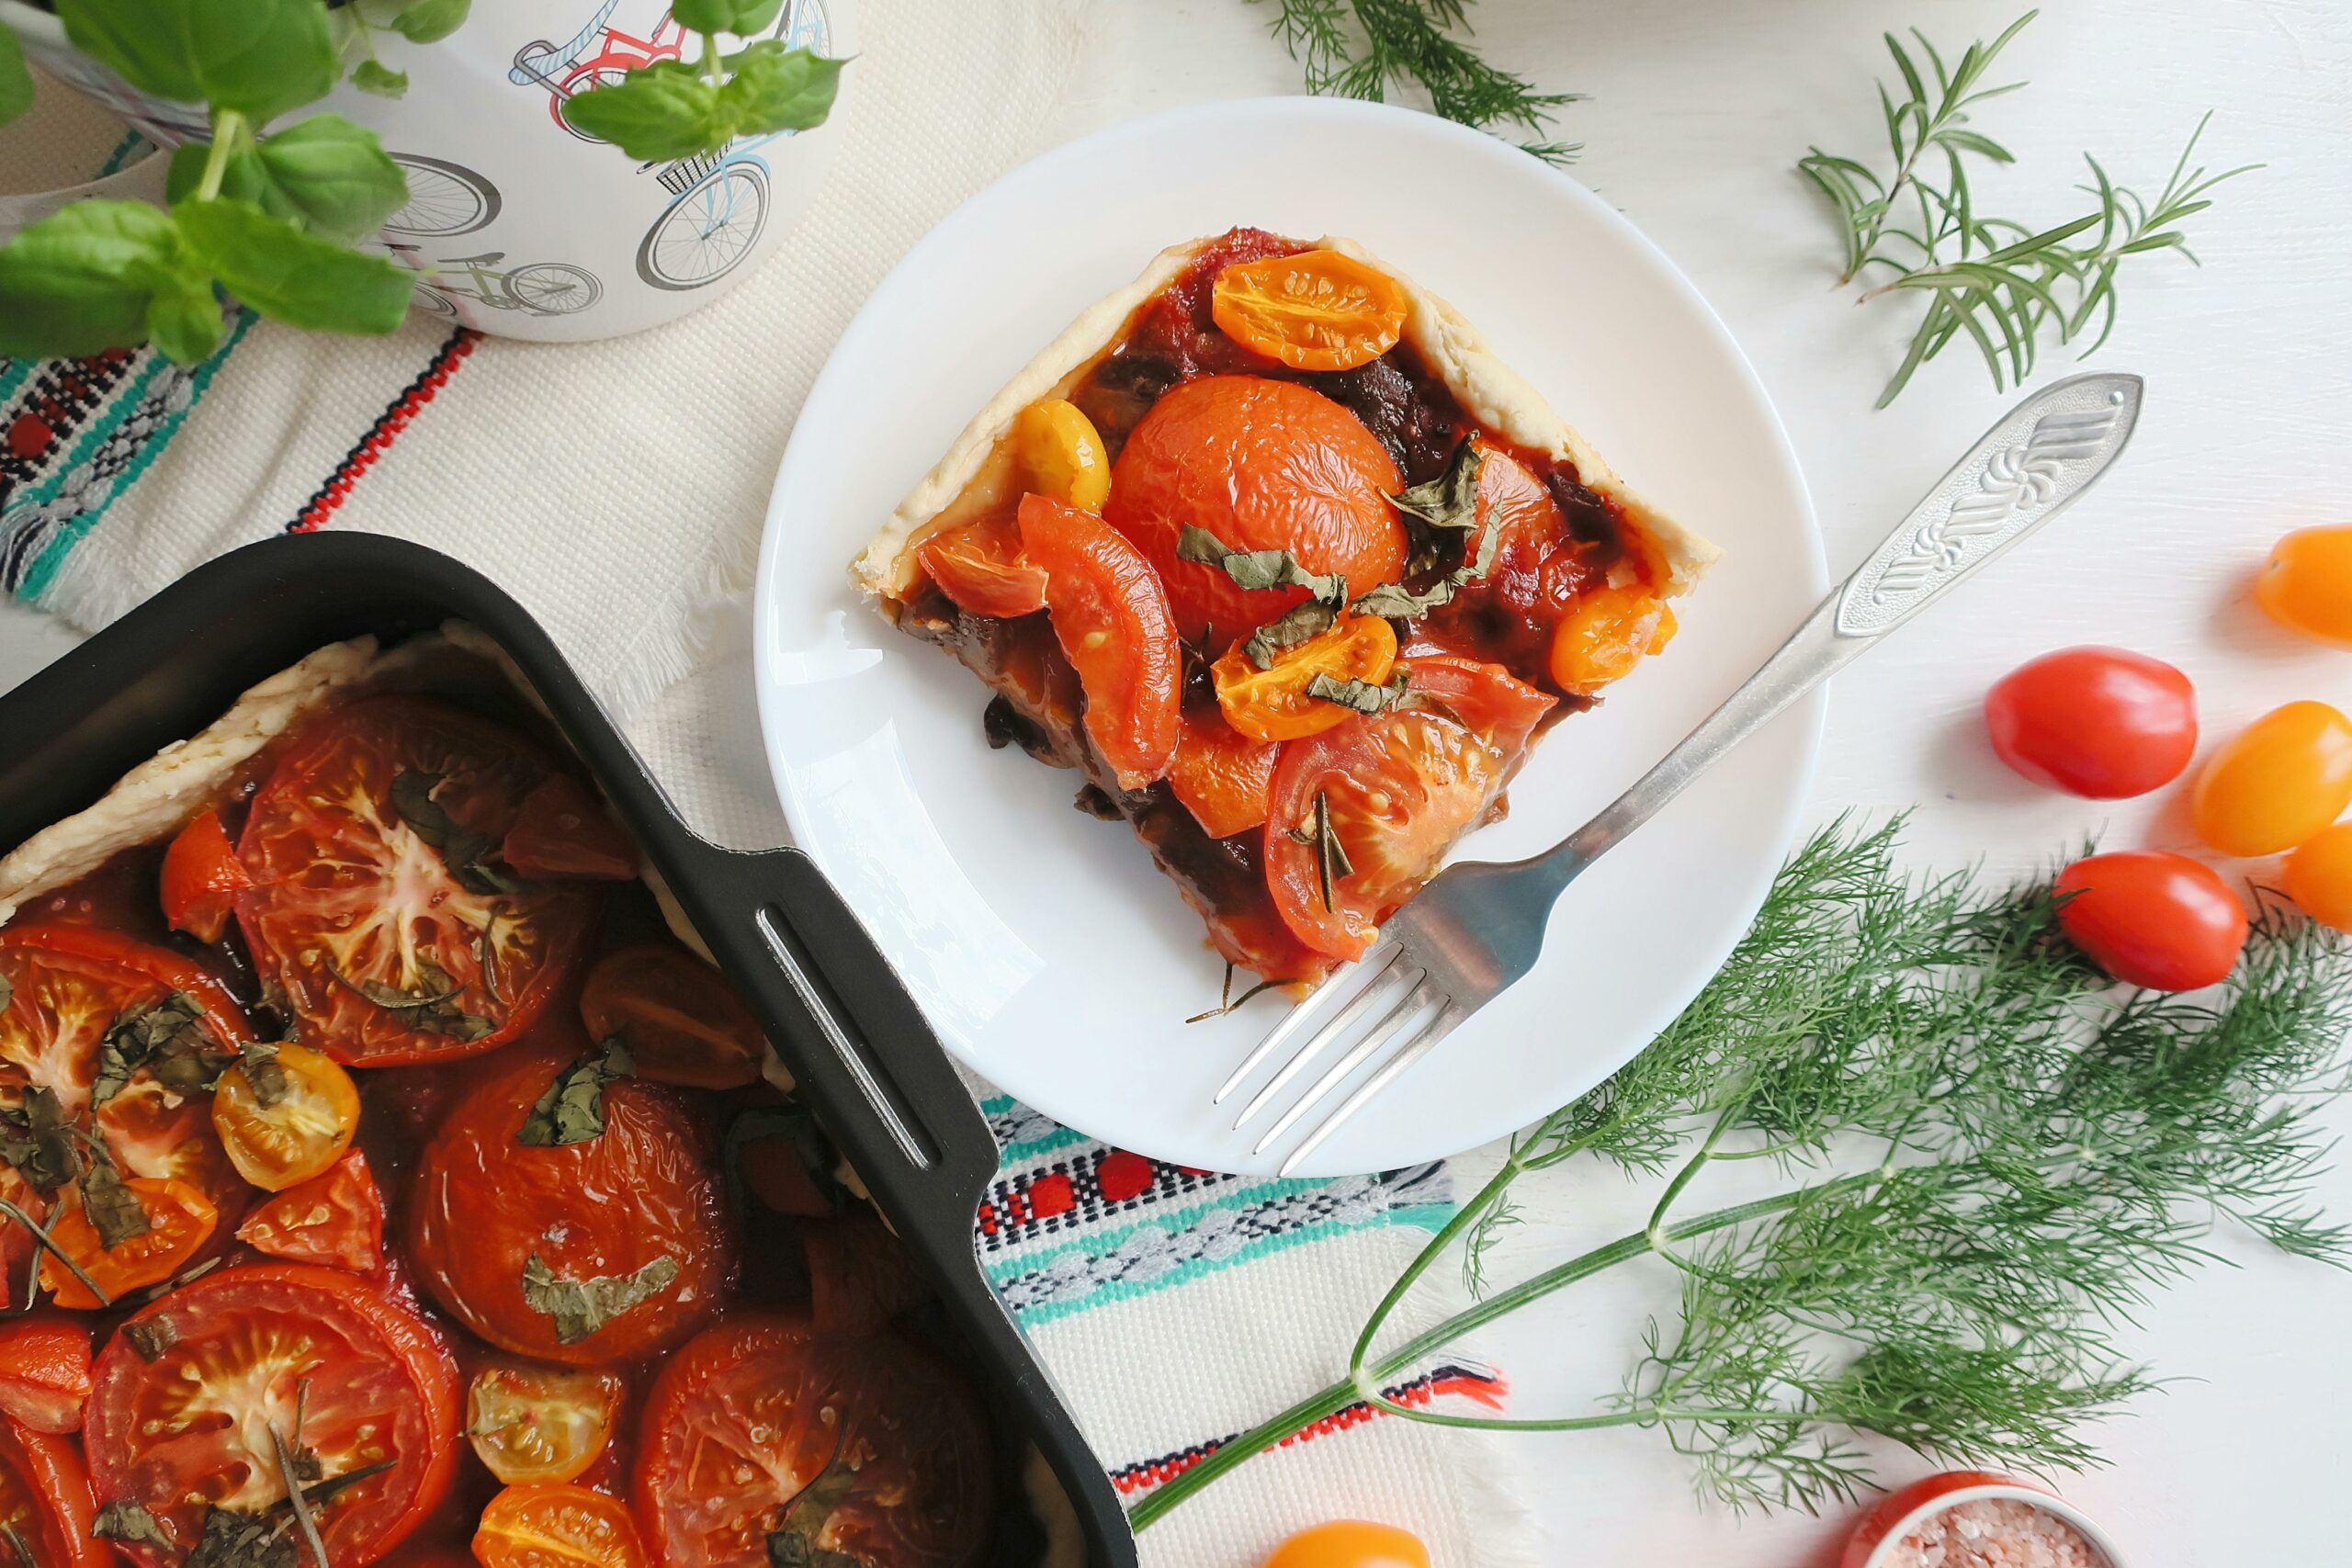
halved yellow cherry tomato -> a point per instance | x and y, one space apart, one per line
1061 453
179 1222
2306 585
2279 780
300 1129
557 1526
2319 877
1272 704
1351 1543
532 1424
1316 310
1605 633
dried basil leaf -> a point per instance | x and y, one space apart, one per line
1256 569
109 1204
7 992
464 853
17 1542
169 1038
1361 696
1450 499
432 1008
1287 630
36 1140
573 1109
581 1307
128 1522
234 1540
794 1545
264 1072
151 1336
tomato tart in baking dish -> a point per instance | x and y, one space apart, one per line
1275 552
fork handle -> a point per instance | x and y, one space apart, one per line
2027 468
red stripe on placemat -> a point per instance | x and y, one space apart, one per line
390 424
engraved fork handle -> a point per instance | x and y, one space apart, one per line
2042 454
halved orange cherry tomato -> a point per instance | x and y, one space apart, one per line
392 949
45 1371
539 1426
1222 776
1351 1543
561 830
336 1218
2276 783
1111 616
557 1526
681 1021
1315 311
1061 453
185 1394
2306 585
2319 877
980 566
201 878
285 1141
180 1220
748 1415
1273 704
1605 633
45 1498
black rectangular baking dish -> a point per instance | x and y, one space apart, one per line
864 1057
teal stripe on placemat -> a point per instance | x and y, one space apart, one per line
1022 1151
14 374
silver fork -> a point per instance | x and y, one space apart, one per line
1477 928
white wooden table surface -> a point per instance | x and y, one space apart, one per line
1698 109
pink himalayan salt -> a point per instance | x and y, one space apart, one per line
1995 1533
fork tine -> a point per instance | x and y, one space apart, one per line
1408 1006
1380 983
1330 986
1418 1047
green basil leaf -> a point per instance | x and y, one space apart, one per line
1450 499
1361 696
665 110
379 80
777 88
79 281
430 21
1296 625
573 1109
581 1307
258 58
1256 569
742 17
290 277
16 78
330 175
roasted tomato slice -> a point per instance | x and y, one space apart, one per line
45 1499
1274 705
66 987
508 1236
189 1391
533 1425
1221 776
201 876
377 903
19 1262
860 1446
1314 310
1606 633
1486 697
178 1219
1111 618
563 830
286 1117
336 1218
45 1371
557 1526
980 566
681 1021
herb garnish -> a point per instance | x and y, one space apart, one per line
794 1543
151 1336
2003 284
1298 624
573 1109
1227 1001
291 1473
126 1522
466 853
581 1307
1362 695
1330 856
17 1545
37 1140
1256 569
265 1074
1448 503
107 1201
1994 1158
792 1124
168 1036
432 1009
42 1243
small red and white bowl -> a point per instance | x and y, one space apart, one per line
1897 1514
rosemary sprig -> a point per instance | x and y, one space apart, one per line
1993 1157
2002 284
1360 49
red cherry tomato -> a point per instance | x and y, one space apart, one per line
45 1371
2150 918
45 1498
681 1021
1351 1543
336 1218
2102 722
1111 616
2276 783
561 830
978 565
201 878
860 1276
2306 585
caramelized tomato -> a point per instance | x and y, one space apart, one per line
180 1220
1112 619
336 1218
45 1371
1221 775
286 1119
201 875
45 1498
681 1021
532 1425
561 830
557 1526
1275 704
1061 453
1605 633
978 565
1315 311
391 948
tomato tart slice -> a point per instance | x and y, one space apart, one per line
1275 551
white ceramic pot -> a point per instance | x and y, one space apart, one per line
516 224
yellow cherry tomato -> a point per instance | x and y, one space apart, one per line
2319 877
1351 1543
1272 704
1061 453
287 1121
2279 780
2306 585
1605 633
534 1424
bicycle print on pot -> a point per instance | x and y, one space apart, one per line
542 288
720 200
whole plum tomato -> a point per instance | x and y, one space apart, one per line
2276 783
2102 722
2152 919
2306 585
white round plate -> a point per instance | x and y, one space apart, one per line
1050 953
